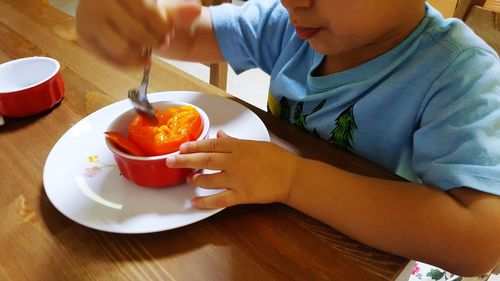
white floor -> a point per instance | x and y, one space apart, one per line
251 86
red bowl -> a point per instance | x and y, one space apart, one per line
29 86
150 171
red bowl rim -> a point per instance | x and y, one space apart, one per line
52 74
203 135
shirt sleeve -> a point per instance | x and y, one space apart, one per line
252 35
457 143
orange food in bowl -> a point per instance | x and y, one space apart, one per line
124 144
145 138
140 147
175 126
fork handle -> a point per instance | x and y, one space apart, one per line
145 78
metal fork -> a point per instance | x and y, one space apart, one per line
138 96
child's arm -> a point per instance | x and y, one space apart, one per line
458 231
194 44
119 30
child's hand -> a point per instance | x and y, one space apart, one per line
251 171
119 30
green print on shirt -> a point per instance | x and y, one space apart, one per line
345 127
299 118
284 109
341 135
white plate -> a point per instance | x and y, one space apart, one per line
82 181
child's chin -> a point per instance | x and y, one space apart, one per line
330 48
320 47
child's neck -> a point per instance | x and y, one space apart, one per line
340 62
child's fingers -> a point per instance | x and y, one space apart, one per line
209 181
114 33
132 27
223 145
115 48
220 200
154 19
184 13
212 161
222 134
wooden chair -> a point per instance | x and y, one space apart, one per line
483 16
218 71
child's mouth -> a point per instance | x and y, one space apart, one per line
305 33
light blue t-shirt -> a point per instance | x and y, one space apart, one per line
429 109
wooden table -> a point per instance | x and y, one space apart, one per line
250 242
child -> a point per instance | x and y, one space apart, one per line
389 80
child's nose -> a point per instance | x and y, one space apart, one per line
297 3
